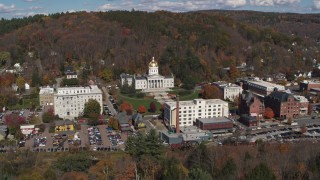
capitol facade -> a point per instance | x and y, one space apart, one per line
149 82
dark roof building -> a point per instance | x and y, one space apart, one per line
283 104
248 120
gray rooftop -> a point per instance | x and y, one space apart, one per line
214 120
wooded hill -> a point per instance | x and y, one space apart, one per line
194 46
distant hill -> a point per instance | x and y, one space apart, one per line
195 46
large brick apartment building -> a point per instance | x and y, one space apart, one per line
284 105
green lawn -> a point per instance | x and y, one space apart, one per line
136 102
191 96
26 103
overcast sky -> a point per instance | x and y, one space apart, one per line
20 8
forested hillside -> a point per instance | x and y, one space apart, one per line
195 46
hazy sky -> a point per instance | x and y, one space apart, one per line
19 8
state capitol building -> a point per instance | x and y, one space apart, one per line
149 82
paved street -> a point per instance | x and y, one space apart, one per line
107 101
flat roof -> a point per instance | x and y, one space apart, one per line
192 102
214 120
266 84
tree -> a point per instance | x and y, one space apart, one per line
233 72
92 109
199 174
73 162
35 79
269 114
261 172
4 57
229 169
210 92
142 109
13 121
113 123
20 82
152 107
149 144
126 107
48 116
45 80
173 169
106 74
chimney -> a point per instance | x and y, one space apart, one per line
177 116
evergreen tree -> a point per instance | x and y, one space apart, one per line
261 172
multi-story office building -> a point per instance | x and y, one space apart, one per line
189 111
69 101
228 90
46 96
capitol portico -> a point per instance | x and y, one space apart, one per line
149 82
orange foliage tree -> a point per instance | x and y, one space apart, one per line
142 109
269 113
210 92
126 107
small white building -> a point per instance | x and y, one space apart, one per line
189 111
26 86
69 101
230 91
27 129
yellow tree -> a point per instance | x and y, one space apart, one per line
46 79
20 82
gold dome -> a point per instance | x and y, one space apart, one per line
153 63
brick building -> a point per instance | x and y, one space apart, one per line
307 85
284 105
251 104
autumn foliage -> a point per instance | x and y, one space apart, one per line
126 107
142 109
153 107
210 92
269 114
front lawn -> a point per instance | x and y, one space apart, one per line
136 102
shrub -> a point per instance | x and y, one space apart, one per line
141 95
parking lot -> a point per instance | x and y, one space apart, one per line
287 134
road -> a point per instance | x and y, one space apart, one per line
107 101
149 125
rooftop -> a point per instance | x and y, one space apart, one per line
193 102
310 82
266 84
214 120
92 89
46 90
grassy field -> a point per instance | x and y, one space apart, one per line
136 102
191 96
26 103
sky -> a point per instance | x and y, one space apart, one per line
20 8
